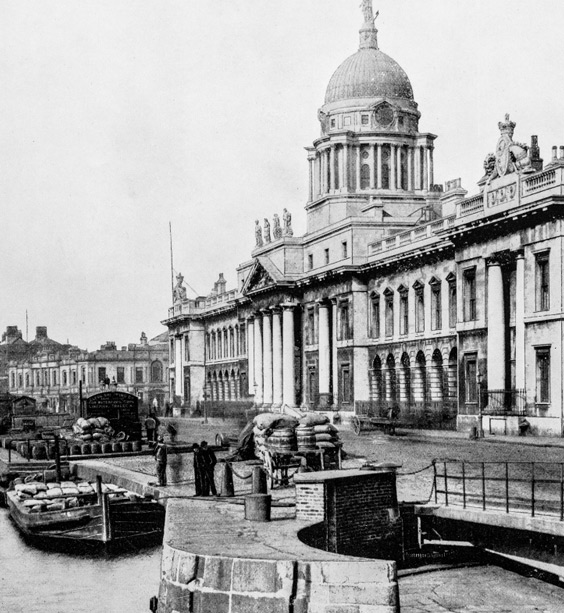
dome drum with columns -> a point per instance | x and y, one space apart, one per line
399 294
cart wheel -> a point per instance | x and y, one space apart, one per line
357 425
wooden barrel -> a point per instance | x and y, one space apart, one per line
283 439
116 448
126 446
39 451
106 448
75 450
96 448
257 507
86 449
305 438
136 446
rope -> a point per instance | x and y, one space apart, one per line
243 477
416 472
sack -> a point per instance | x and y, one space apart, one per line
264 420
54 492
314 419
325 438
86 437
81 423
97 436
103 421
325 445
324 428
93 421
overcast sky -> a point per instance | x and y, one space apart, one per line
118 116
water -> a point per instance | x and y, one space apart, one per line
35 581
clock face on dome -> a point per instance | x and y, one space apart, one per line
502 154
384 115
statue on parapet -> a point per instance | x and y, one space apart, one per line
258 233
179 291
277 229
287 219
266 232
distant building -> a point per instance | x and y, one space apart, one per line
402 292
52 372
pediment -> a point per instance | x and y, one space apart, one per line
258 279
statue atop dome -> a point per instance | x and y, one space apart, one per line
367 11
368 32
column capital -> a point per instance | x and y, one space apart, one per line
276 309
289 305
323 303
501 258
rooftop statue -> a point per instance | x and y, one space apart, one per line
287 218
276 230
266 231
258 233
179 291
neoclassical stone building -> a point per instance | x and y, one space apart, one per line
401 292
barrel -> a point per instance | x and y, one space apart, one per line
75 450
126 446
39 451
136 446
86 449
283 439
95 448
116 448
257 507
305 438
106 448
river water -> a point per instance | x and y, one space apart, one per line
34 581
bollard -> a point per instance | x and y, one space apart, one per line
258 480
227 488
257 507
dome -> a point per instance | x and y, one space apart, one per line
369 73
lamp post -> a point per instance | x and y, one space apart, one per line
255 398
205 405
479 378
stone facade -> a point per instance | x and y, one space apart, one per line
401 292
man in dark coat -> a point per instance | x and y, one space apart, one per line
151 427
161 459
197 469
208 462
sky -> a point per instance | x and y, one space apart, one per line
118 117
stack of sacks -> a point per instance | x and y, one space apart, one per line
93 429
265 424
326 435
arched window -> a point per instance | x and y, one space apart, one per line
156 372
364 176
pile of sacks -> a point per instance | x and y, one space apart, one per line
40 497
93 429
266 425
315 432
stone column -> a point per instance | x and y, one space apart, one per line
288 385
431 168
258 374
379 166
417 163
496 327
251 355
324 356
410 168
277 358
267 358
178 374
372 166
345 167
334 363
319 173
425 169
358 164
398 162
392 167
520 322
311 179
332 183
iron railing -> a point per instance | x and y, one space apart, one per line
532 488
505 402
439 414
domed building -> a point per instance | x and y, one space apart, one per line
402 294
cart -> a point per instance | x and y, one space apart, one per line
370 417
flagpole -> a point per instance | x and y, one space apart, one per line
171 262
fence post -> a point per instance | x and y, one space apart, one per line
532 489
507 487
435 482
483 486
561 492
446 484
463 485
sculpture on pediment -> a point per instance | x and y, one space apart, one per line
266 232
287 219
277 229
179 291
258 233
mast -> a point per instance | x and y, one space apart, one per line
171 262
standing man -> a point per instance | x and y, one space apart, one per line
208 462
150 427
197 469
161 459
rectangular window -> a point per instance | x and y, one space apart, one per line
83 375
364 120
404 313
310 261
172 351
101 374
436 307
37 379
139 374
419 311
120 374
13 380
471 382
64 377
54 377
345 331
470 311
310 326
186 348
390 315
27 380
345 249
542 282
326 256
74 377
20 381
452 304
345 384
375 317
543 375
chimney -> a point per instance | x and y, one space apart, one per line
143 339
534 153
40 332
221 284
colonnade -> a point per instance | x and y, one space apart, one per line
337 167
270 343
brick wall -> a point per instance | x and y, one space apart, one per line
310 501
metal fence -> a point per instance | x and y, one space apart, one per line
533 488
437 415
505 402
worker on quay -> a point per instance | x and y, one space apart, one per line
151 428
197 469
208 462
161 459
